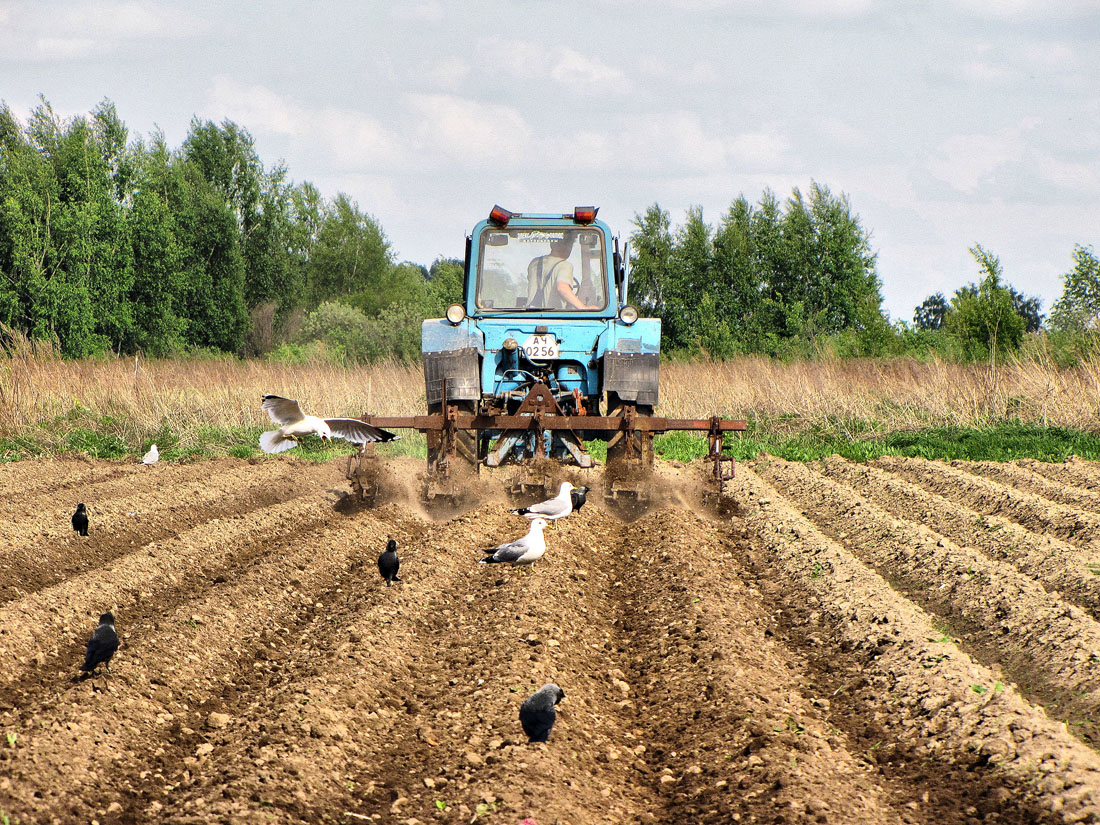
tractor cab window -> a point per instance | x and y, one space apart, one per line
547 268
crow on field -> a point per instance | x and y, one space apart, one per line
388 563
102 645
80 520
557 507
578 496
293 423
537 713
523 551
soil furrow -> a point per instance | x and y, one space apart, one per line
1073 471
177 666
727 732
1024 478
37 627
1050 649
991 499
445 719
45 550
1059 566
24 484
930 698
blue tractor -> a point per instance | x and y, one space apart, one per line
543 354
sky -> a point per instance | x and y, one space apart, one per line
946 123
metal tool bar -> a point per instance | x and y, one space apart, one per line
466 421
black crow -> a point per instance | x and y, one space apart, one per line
537 713
388 563
579 497
102 645
80 520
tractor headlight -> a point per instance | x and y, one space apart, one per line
628 314
456 312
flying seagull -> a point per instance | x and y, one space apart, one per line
293 423
388 563
524 551
80 520
151 457
578 497
554 508
102 645
537 713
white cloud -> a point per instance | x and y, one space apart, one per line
587 74
66 48
41 32
694 73
578 72
469 131
843 133
446 73
351 139
430 12
966 161
1021 9
759 150
1049 54
1069 175
257 106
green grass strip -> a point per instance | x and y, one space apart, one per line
1004 442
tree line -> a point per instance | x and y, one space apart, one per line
789 278
112 244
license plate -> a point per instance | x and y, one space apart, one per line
541 347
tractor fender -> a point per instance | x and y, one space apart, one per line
631 360
451 352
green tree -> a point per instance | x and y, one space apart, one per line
446 282
351 255
738 280
983 317
650 265
1078 308
932 312
213 273
689 277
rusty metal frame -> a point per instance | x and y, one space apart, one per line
540 412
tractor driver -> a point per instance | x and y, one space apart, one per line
550 281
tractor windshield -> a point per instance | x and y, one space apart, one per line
542 268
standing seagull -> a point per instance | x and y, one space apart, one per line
388 563
524 551
537 713
102 645
578 497
557 507
293 423
80 520
151 457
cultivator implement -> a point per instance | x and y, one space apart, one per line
539 428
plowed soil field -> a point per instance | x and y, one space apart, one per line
896 642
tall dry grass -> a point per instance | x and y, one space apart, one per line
886 395
132 398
